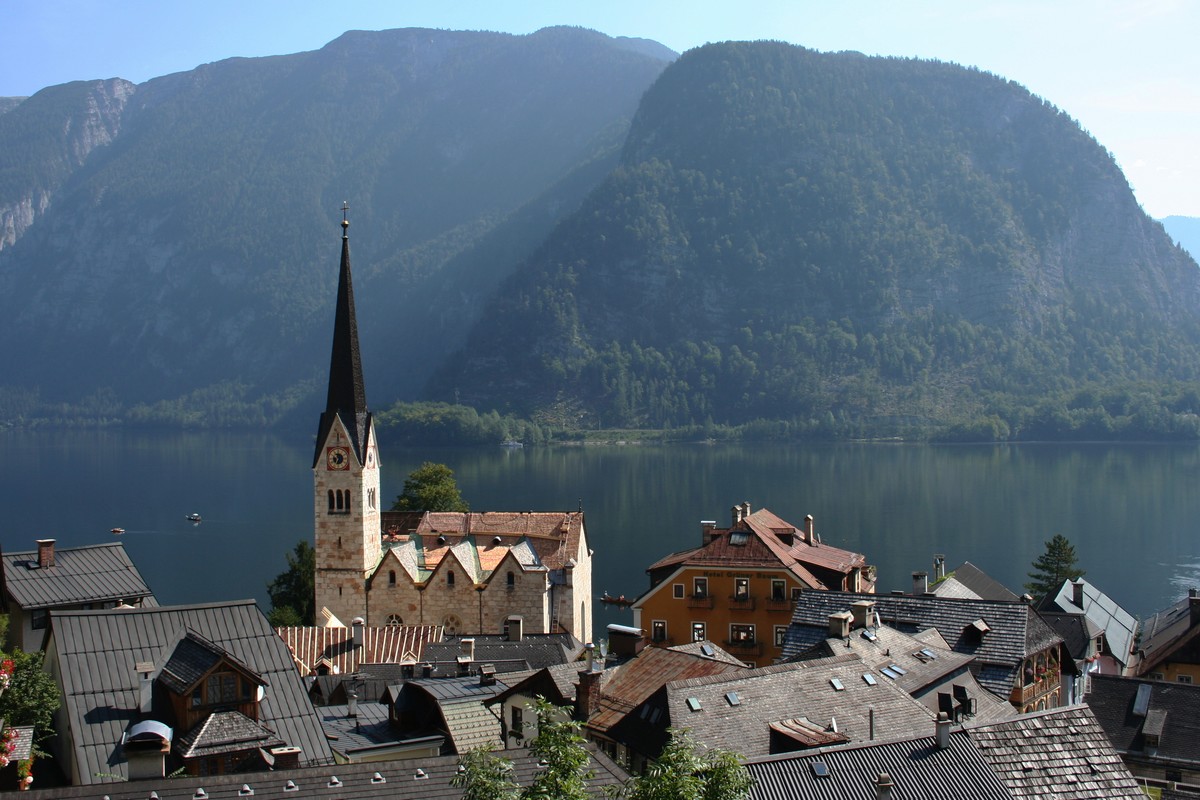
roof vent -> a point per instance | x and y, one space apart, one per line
377 778
441 540
497 540
291 786
420 775
200 794
245 791
334 782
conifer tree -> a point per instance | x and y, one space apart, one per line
1053 567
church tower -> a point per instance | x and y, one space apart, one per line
345 470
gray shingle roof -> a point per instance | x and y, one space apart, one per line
225 732
382 780
1015 629
94 654
1112 700
92 574
1060 754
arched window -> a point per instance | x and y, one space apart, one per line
449 577
347 499
391 577
394 619
511 579
338 497
331 499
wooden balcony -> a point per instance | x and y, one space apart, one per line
777 604
741 602
1023 695
744 647
700 601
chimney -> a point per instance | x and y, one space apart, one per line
516 628
624 641
707 526
735 516
45 553
1194 606
427 670
745 509
939 567
352 704
809 530
487 674
357 626
839 625
920 583
1077 592
286 757
862 610
466 656
145 747
883 787
145 670
943 730
587 694
591 653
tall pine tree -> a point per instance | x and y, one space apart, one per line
1053 567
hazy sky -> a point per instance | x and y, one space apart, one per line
1129 72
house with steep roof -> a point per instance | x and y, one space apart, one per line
1060 753
605 691
467 572
737 587
49 578
209 688
1152 724
1014 654
1098 634
454 709
1169 644
964 581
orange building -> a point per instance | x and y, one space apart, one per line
737 587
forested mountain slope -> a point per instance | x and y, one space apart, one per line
172 246
849 245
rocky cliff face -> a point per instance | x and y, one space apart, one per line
69 123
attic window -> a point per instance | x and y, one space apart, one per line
693 703
898 669
733 699
888 672
869 679
738 539
925 655
819 769
869 635
836 683
706 649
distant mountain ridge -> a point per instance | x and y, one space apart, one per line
1186 231
176 242
836 241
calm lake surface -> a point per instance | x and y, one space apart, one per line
1132 511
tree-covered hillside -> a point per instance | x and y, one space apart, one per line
848 245
171 247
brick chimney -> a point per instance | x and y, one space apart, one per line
45 553
587 694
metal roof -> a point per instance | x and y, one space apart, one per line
94 653
91 574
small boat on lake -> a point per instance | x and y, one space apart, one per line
118 531
193 517
512 443
620 600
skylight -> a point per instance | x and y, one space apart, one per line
707 650
733 699
888 672
693 703
819 769
898 669
869 679
837 685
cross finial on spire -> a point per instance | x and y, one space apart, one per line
345 221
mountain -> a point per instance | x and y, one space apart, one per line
1185 231
172 246
845 244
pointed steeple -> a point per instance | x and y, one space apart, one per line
347 396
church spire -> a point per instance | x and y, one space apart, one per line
347 396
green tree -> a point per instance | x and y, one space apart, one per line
485 776
430 487
293 592
559 743
1053 567
683 772
32 696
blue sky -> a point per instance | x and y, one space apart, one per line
1129 72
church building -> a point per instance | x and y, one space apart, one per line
491 572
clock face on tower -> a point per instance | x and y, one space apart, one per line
337 458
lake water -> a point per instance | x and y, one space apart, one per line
1132 511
